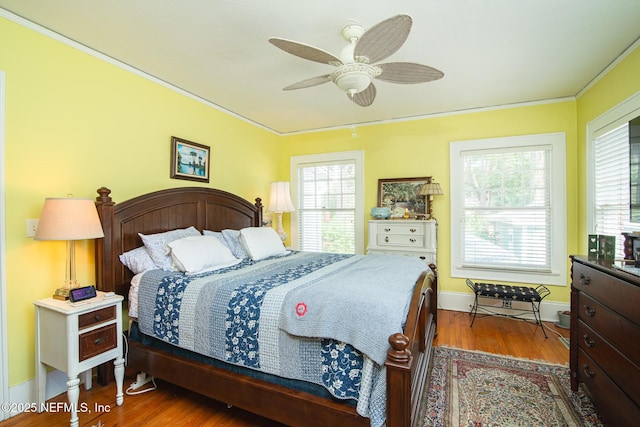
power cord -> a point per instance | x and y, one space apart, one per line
141 378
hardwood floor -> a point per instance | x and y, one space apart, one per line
172 406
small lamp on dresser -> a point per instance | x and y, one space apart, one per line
429 190
69 219
279 202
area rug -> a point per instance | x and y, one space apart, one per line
473 389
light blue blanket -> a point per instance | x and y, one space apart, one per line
368 298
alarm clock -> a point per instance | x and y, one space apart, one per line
82 294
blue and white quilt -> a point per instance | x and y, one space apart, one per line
317 317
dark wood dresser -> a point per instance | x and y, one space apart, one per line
605 339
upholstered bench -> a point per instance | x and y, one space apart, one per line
508 294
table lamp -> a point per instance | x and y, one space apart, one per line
279 202
429 190
69 219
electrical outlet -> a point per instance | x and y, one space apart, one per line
32 226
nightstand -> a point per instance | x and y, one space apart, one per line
76 338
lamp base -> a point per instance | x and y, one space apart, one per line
61 294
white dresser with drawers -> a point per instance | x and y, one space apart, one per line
403 237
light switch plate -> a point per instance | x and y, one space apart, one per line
32 226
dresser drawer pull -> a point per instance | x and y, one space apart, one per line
98 341
588 341
584 280
413 230
589 311
386 239
98 317
412 240
387 230
587 371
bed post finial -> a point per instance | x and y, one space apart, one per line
399 351
103 195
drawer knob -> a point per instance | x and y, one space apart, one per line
589 311
413 230
584 280
386 239
387 230
588 341
98 341
587 371
98 317
412 240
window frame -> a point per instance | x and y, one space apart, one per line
558 274
604 123
337 157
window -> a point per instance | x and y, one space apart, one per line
609 176
508 209
327 192
611 184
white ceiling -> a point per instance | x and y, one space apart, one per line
492 52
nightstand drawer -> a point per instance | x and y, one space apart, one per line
98 341
96 317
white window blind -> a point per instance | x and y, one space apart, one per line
328 195
326 210
611 184
508 210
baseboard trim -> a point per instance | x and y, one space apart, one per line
459 301
24 394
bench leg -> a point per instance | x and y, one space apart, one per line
474 310
536 313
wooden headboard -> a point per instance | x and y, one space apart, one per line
204 208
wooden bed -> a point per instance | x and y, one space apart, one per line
408 357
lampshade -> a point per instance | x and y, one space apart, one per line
430 189
280 198
69 219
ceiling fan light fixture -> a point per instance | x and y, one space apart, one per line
354 78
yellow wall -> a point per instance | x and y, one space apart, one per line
75 123
421 148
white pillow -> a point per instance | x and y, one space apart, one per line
197 254
261 242
138 260
156 245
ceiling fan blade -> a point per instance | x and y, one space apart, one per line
408 72
314 81
305 51
384 38
366 97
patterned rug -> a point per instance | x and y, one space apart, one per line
473 389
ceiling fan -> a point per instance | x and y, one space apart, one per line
357 64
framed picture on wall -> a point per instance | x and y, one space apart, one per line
189 160
400 194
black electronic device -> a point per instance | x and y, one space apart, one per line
82 294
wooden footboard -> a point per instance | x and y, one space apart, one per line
407 361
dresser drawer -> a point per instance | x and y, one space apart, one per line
97 341
609 324
400 228
400 240
615 408
97 316
607 289
620 369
